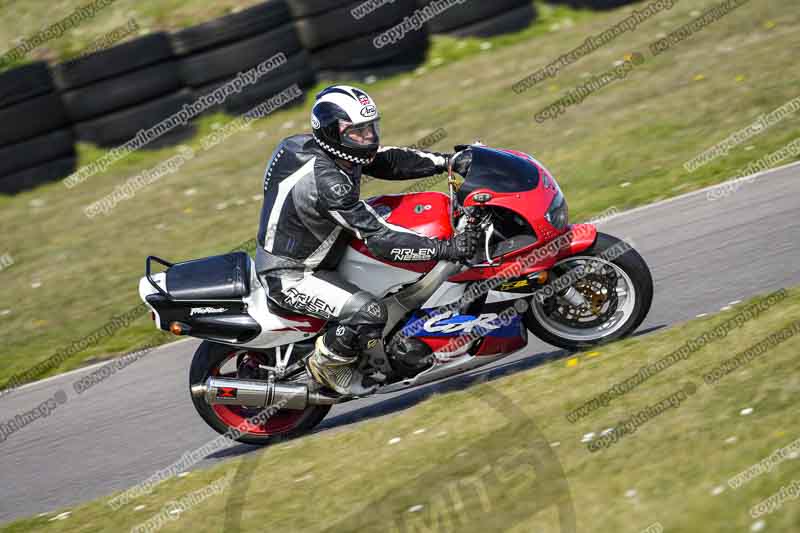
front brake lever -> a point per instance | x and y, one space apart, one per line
489 233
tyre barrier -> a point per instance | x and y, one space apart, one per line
249 22
341 37
297 69
102 91
215 53
114 129
595 4
109 96
481 19
36 143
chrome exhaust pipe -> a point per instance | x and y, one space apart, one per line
228 391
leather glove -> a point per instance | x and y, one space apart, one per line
461 247
461 160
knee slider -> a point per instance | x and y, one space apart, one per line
342 340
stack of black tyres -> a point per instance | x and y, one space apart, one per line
482 18
604 4
36 142
213 53
113 94
342 45
596 4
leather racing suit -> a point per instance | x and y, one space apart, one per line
310 213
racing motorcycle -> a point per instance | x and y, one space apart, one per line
569 285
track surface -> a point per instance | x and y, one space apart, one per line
703 255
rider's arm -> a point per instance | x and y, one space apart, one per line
393 163
339 202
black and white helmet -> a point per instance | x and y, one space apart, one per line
345 123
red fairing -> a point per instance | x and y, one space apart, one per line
427 213
305 323
500 345
583 237
535 258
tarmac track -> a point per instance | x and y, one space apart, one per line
703 255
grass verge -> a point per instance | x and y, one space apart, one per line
477 459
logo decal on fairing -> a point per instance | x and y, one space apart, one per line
206 310
304 302
410 254
483 321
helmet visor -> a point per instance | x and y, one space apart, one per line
360 135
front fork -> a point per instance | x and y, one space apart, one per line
573 297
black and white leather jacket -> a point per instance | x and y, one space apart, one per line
312 208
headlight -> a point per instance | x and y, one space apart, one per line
558 213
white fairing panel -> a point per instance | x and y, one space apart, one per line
145 290
275 330
373 275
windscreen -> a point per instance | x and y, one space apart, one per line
499 172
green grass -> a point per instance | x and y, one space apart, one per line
475 466
639 131
23 19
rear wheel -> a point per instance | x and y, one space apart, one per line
212 359
599 296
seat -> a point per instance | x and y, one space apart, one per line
221 277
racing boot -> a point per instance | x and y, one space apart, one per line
337 372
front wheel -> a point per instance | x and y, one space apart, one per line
598 296
213 359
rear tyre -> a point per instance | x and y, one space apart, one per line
209 360
618 290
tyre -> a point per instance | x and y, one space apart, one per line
121 126
24 83
361 52
513 21
603 4
202 69
123 91
114 61
297 69
371 73
340 25
32 177
28 119
54 145
469 13
307 8
215 359
255 20
618 294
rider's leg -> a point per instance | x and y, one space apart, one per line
358 317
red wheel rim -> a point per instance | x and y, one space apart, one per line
236 416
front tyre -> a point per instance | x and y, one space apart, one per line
213 359
598 296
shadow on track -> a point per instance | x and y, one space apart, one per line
420 394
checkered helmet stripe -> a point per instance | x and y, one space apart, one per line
338 153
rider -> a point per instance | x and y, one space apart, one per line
312 210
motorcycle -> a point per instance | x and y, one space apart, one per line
569 285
